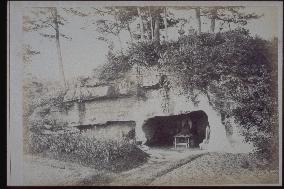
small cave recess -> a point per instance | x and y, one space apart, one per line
160 130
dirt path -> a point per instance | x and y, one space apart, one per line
217 169
45 171
160 163
164 167
41 171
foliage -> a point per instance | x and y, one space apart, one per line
59 143
228 15
116 66
239 71
144 53
40 98
43 19
236 71
40 94
147 53
88 150
28 52
118 19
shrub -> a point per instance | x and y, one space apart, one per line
240 74
101 152
37 143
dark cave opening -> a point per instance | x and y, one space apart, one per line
160 130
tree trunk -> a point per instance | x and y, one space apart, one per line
151 22
157 29
120 44
141 24
117 35
213 20
197 12
165 23
148 32
60 62
128 28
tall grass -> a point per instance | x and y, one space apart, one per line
88 150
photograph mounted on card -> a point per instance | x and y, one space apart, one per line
175 93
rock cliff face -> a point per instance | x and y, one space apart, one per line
154 99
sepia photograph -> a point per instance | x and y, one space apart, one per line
141 93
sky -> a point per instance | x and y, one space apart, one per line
84 52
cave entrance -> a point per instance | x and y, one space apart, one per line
160 130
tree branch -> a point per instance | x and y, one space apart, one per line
51 26
101 11
65 36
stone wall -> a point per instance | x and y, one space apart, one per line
140 109
71 115
116 109
111 130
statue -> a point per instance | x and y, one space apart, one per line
205 142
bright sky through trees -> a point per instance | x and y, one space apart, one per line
85 52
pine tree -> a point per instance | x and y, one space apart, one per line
48 18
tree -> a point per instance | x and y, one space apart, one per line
165 23
213 15
141 24
126 15
151 23
151 20
28 52
48 18
163 19
157 29
198 18
197 14
228 15
57 34
157 18
120 18
107 28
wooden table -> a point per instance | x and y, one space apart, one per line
186 137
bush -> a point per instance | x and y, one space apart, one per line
40 99
239 73
37 143
105 153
